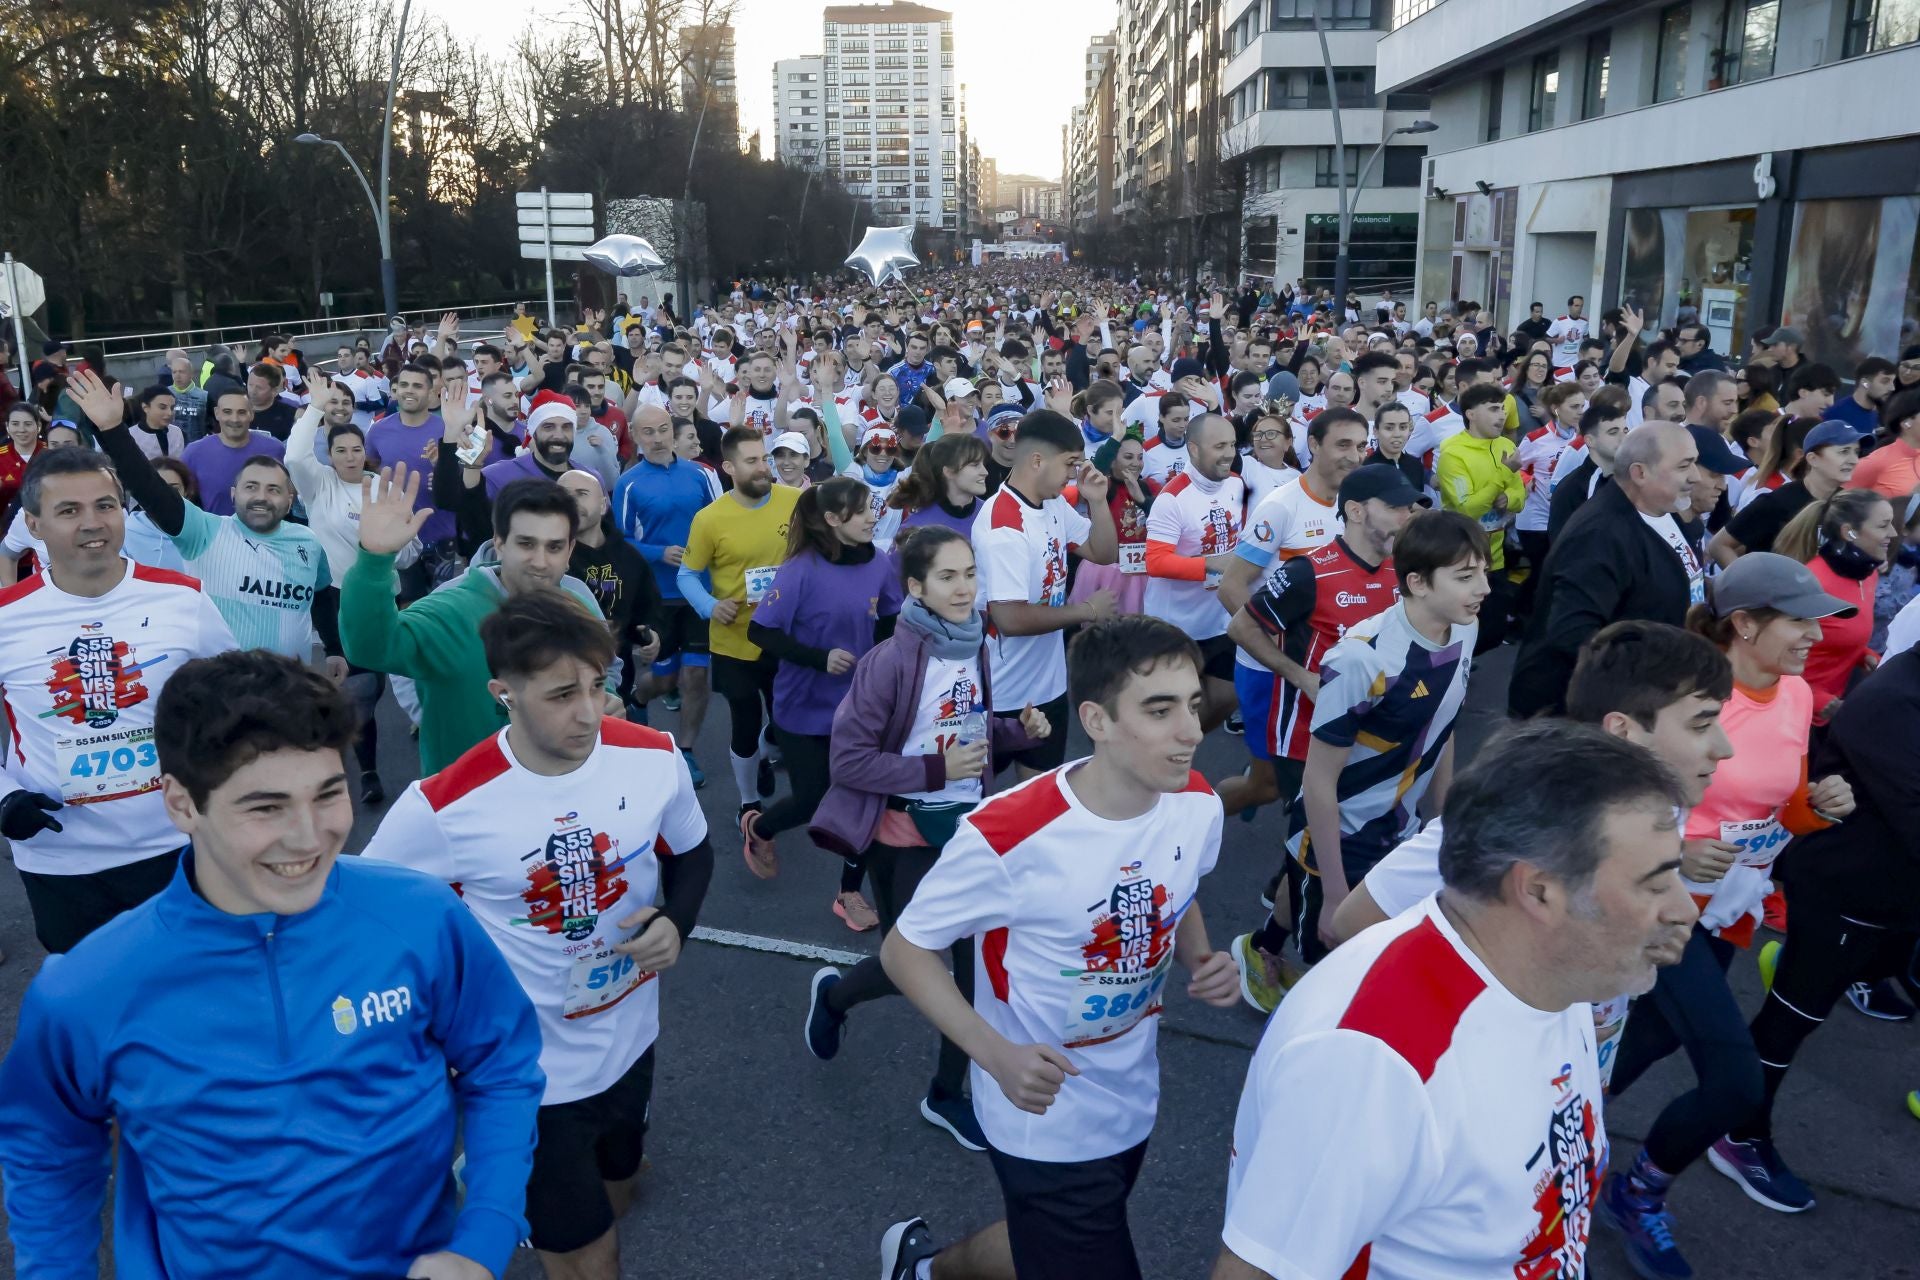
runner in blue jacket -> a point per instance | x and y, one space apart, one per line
271 1034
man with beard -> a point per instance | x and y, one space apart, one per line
215 460
469 491
266 576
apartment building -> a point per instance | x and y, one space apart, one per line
800 111
892 122
1739 161
708 79
1278 136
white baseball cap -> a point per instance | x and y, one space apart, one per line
958 387
790 440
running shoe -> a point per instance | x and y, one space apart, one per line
856 911
762 859
1756 1165
1646 1233
824 1026
955 1115
1773 911
693 768
904 1247
1235 725
671 701
1880 1000
1263 978
371 791
1913 1103
1768 960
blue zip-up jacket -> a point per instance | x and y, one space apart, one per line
280 1085
654 507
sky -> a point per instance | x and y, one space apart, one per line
1001 50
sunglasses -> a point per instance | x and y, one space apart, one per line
882 450
1004 433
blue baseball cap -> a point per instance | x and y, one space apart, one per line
1716 454
1832 431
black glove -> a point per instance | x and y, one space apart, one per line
23 815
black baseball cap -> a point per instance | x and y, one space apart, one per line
1379 480
1716 454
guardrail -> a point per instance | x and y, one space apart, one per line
128 346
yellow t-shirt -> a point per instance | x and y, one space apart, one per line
739 547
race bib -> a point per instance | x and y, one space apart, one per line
1609 1024
600 979
1133 557
106 766
1107 1004
1760 840
760 581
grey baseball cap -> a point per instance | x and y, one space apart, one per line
1788 335
1763 580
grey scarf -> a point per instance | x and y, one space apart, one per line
950 641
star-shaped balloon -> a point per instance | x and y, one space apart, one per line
624 255
884 254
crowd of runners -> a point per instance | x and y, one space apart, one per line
922 541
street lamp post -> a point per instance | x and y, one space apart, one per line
1342 264
389 280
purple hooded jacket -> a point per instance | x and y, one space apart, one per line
870 727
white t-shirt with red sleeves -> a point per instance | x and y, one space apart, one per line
1289 522
1021 553
949 693
1192 517
552 867
1465 1124
1074 917
1539 450
80 677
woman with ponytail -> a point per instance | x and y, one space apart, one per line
945 487
913 742
1097 409
1845 539
830 602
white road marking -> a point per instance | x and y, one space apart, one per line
778 946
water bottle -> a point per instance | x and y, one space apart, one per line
973 728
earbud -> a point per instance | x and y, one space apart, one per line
506 701
1852 536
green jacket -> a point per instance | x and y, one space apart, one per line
435 642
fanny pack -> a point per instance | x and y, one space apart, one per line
936 822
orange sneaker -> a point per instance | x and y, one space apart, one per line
1773 911
762 859
856 911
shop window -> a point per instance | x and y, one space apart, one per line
1851 278
1714 268
1670 59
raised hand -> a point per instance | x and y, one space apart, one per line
105 407
389 522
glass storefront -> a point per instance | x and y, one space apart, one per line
1382 250
1682 265
1852 283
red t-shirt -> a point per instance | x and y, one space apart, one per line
1843 641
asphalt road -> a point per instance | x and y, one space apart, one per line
767 1163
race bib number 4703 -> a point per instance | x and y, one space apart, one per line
106 766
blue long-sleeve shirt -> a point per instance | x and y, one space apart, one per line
281 1088
654 507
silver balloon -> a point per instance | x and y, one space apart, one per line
624 255
884 254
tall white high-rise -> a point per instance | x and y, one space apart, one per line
800 111
892 125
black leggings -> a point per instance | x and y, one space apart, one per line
365 687
1824 953
1691 1007
896 873
809 772
748 689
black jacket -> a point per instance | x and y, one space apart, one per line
1606 565
1868 867
1570 494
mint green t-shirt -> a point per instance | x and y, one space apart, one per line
262 583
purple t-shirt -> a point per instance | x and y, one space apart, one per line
216 465
521 466
938 514
827 606
390 441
